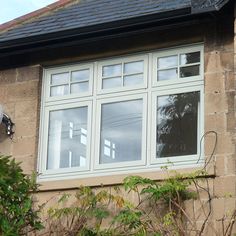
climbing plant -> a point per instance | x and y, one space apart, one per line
154 208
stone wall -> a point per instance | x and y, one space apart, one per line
20 98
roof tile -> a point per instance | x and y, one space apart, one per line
88 13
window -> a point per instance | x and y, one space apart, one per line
122 115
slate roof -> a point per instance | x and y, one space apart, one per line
92 12
86 13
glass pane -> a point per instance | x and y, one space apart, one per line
62 78
177 119
59 90
133 67
121 131
67 138
113 70
188 58
111 83
167 74
79 87
165 62
133 80
80 75
188 71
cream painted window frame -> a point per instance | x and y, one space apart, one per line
96 96
49 72
100 102
122 61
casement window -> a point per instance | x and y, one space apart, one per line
122 115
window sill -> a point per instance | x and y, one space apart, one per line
57 185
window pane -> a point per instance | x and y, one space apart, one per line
113 70
111 83
133 67
81 75
167 74
165 62
188 58
59 90
121 131
188 71
177 119
133 79
62 78
79 87
67 138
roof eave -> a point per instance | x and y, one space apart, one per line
197 7
202 6
90 30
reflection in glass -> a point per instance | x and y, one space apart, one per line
133 67
59 90
111 82
177 119
167 74
67 138
188 71
165 62
113 70
188 58
133 79
121 131
80 75
62 78
79 87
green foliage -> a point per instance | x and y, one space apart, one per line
17 214
156 209
129 217
169 189
85 216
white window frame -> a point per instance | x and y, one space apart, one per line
48 109
185 159
149 90
178 51
122 61
69 69
109 100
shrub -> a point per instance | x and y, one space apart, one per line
17 215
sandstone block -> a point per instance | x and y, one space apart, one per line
28 73
215 103
214 82
224 186
8 76
24 146
218 208
26 109
25 127
23 91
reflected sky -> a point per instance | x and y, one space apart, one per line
67 139
79 75
112 70
165 62
121 125
133 67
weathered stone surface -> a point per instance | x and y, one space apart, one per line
28 73
224 186
7 76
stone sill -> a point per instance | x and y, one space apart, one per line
97 181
